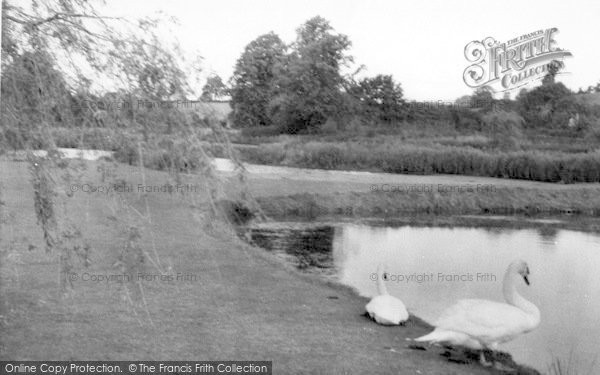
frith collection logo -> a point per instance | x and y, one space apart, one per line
515 63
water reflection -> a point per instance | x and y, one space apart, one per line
309 247
548 237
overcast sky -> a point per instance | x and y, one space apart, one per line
421 43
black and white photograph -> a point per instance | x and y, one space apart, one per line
305 187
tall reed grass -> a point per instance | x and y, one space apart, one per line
412 159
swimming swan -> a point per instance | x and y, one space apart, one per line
482 324
386 309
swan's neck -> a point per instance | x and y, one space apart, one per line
381 288
512 296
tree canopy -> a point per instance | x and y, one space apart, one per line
253 81
214 89
297 86
380 96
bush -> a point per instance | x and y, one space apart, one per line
330 126
127 151
12 138
262 131
593 131
465 119
20 138
273 153
87 138
505 129
542 106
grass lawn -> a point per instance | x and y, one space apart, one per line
243 304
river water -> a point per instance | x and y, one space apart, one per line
431 267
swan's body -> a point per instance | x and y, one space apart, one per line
479 324
483 324
384 308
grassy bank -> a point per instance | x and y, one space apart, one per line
502 201
242 304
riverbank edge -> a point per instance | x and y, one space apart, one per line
523 204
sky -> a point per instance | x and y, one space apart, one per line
420 43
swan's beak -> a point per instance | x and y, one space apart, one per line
526 279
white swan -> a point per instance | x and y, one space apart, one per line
482 324
384 308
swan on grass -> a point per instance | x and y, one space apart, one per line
384 308
482 324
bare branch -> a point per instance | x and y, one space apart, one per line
66 16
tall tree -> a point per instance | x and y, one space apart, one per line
483 98
253 81
380 97
214 89
553 68
541 105
309 82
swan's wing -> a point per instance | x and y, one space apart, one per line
485 320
